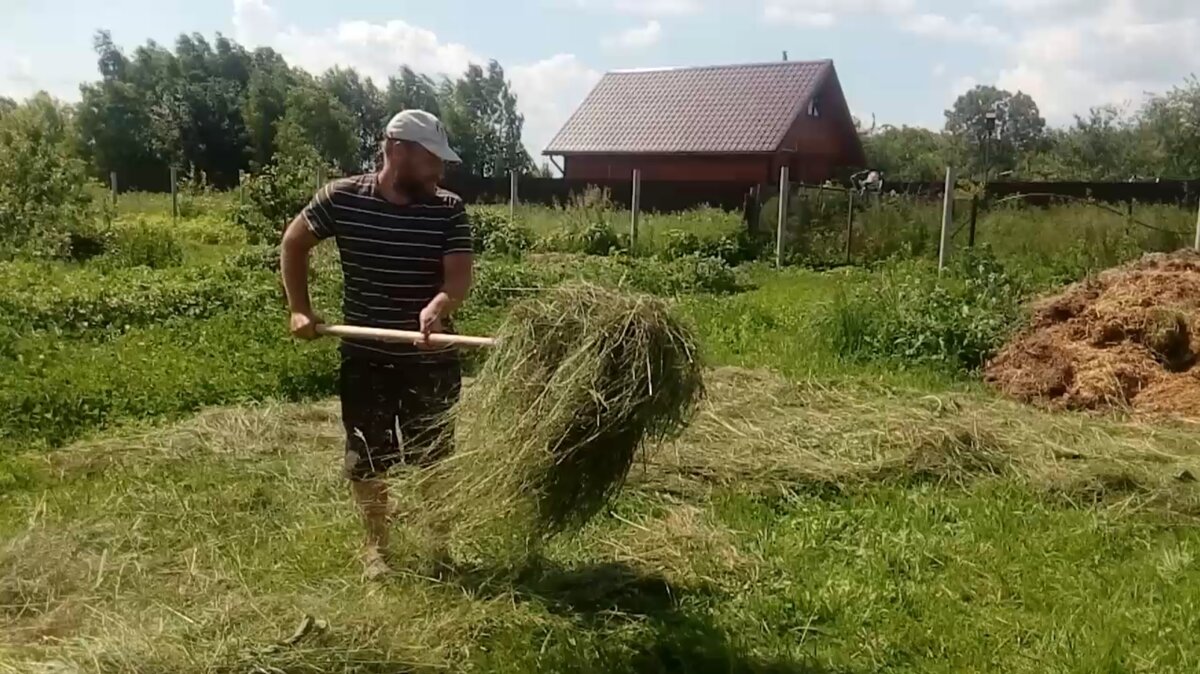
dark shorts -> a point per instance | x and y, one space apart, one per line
396 414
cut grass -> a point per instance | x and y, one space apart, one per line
791 529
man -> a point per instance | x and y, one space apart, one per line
406 257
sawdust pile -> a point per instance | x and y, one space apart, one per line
1126 339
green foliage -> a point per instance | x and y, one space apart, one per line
273 198
43 194
911 315
59 298
142 243
908 153
1019 128
56 390
495 234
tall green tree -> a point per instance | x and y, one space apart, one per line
365 102
1019 131
410 91
480 113
316 121
266 103
115 123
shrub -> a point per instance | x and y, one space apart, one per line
495 234
914 316
733 248
43 186
45 296
143 244
273 198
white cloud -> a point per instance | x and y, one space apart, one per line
939 70
1114 53
638 37
547 90
16 78
823 13
971 28
646 8
658 7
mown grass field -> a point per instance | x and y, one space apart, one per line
846 501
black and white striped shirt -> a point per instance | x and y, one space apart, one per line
391 256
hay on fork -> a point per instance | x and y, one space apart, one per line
581 378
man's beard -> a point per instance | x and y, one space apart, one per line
412 186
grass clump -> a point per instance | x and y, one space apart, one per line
913 315
582 377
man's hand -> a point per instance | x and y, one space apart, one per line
431 321
304 325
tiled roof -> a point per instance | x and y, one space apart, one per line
719 109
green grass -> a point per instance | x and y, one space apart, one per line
198 547
823 513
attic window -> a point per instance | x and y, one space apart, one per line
814 107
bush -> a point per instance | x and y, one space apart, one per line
43 186
142 244
45 296
914 316
273 198
733 248
495 234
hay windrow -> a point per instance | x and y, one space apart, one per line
1122 340
581 378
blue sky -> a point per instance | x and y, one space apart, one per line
902 61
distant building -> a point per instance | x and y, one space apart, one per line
737 123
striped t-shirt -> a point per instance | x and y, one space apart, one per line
391 257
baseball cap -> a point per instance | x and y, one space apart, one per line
421 127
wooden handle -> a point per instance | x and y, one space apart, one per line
402 336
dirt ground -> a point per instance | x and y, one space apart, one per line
1126 339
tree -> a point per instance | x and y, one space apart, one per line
316 121
1019 128
265 103
411 91
365 103
1172 123
43 185
908 153
480 113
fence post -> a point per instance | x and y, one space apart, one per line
850 229
112 181
241 187
512 196
1198 225
974 219
635 207
174 194
947 218
784 197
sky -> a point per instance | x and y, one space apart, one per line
899 61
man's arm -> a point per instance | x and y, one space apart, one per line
458 263
298 242
457 274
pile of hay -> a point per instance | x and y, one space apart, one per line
581 378
1125 339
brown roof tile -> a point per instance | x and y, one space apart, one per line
717 109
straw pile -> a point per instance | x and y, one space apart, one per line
1124 339
581 378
